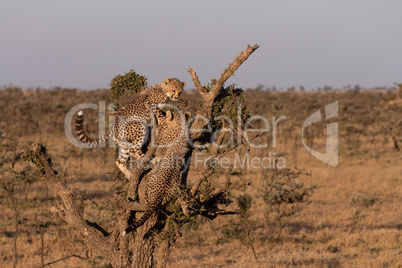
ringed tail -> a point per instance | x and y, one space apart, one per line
140 222
83 137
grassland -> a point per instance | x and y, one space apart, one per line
352 219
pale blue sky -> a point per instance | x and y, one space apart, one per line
312 43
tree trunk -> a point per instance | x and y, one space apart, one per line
144 244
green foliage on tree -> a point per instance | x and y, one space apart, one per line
35 157
228 107
128 82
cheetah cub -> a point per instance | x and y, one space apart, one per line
163 183
132 124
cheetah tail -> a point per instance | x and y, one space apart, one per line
140 222
79 128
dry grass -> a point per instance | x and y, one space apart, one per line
352 220
333 230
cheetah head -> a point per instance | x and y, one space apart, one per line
172 87
175 123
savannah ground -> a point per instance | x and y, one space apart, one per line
351 219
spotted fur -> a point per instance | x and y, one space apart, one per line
163 183
131 126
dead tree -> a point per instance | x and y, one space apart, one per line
151 244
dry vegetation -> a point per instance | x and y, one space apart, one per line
311 215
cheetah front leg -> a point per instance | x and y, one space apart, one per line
136 153
122 160
131 145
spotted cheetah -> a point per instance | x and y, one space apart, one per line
163 183
131 126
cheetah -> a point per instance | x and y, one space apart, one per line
163 183
131 127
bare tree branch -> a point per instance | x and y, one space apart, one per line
208 172
242 57
196 82
65 258
39 157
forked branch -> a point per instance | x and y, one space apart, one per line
209 97
242 57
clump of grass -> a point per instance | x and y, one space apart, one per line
365 200
361 203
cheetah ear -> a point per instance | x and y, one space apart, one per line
166 80
187 115
183 84
169 115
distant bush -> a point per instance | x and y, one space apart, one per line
283 192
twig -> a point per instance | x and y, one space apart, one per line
16 209
42 247
396 146
213 213
249 235
196 82
65 258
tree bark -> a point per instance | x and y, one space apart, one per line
69 211
144 244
